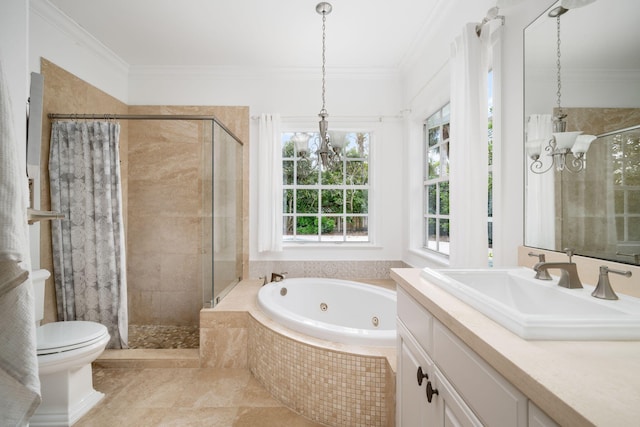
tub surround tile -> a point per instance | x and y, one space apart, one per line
223 339
332 383
348 270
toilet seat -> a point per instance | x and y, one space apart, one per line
57 337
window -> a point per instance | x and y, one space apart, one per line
436 182
327 205
625 150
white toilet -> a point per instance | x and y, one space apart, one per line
65 353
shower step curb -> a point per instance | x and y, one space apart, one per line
149 358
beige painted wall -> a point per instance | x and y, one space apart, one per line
162 163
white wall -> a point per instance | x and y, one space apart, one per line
426 88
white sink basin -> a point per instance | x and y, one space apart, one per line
538 309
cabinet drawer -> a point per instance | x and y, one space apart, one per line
496 402
417 319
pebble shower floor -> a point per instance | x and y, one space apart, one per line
163 336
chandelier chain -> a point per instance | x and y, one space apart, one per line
558 93
324 20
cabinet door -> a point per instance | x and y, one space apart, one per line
451 410
412 407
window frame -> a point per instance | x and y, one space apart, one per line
440 122
320 238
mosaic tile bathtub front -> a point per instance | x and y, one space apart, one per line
326 386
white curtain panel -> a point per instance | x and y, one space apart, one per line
540 208
270 184
469 145
19 381
88 245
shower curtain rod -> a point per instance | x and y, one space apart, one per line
56 116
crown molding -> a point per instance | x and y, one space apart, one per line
221 72
54 16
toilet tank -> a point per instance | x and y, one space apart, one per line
38 278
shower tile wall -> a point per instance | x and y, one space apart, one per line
166 215
163 206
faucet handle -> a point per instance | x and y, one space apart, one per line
541 274
603 290
569 252
541 257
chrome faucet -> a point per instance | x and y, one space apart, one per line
603 290
568 271
278 277
542 274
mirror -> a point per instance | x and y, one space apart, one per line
596 211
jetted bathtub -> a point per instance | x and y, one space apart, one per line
334 310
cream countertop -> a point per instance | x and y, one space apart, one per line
577 383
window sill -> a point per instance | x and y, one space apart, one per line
431 257
328 245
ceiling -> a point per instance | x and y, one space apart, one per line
254 33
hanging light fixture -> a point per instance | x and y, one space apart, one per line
563 143
327 153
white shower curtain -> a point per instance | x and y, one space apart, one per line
469 148
88 245
270 184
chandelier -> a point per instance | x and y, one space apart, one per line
566 149
328 153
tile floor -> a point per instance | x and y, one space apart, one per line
186 397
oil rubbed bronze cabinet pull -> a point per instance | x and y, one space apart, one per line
431 391
421 375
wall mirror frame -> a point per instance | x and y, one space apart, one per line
596 211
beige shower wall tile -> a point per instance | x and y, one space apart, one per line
140 306
165 198
180 271
155 235
171 161
143 272
176 308
169 131
177 302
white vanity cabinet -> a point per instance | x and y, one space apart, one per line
464 389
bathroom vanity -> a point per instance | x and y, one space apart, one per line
458 367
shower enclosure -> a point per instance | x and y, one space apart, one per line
183 194
222 214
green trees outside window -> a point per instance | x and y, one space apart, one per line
325 204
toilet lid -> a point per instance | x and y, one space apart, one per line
63 336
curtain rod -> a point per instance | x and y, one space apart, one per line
56 116
615 132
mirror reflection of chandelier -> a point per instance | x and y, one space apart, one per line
566 149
